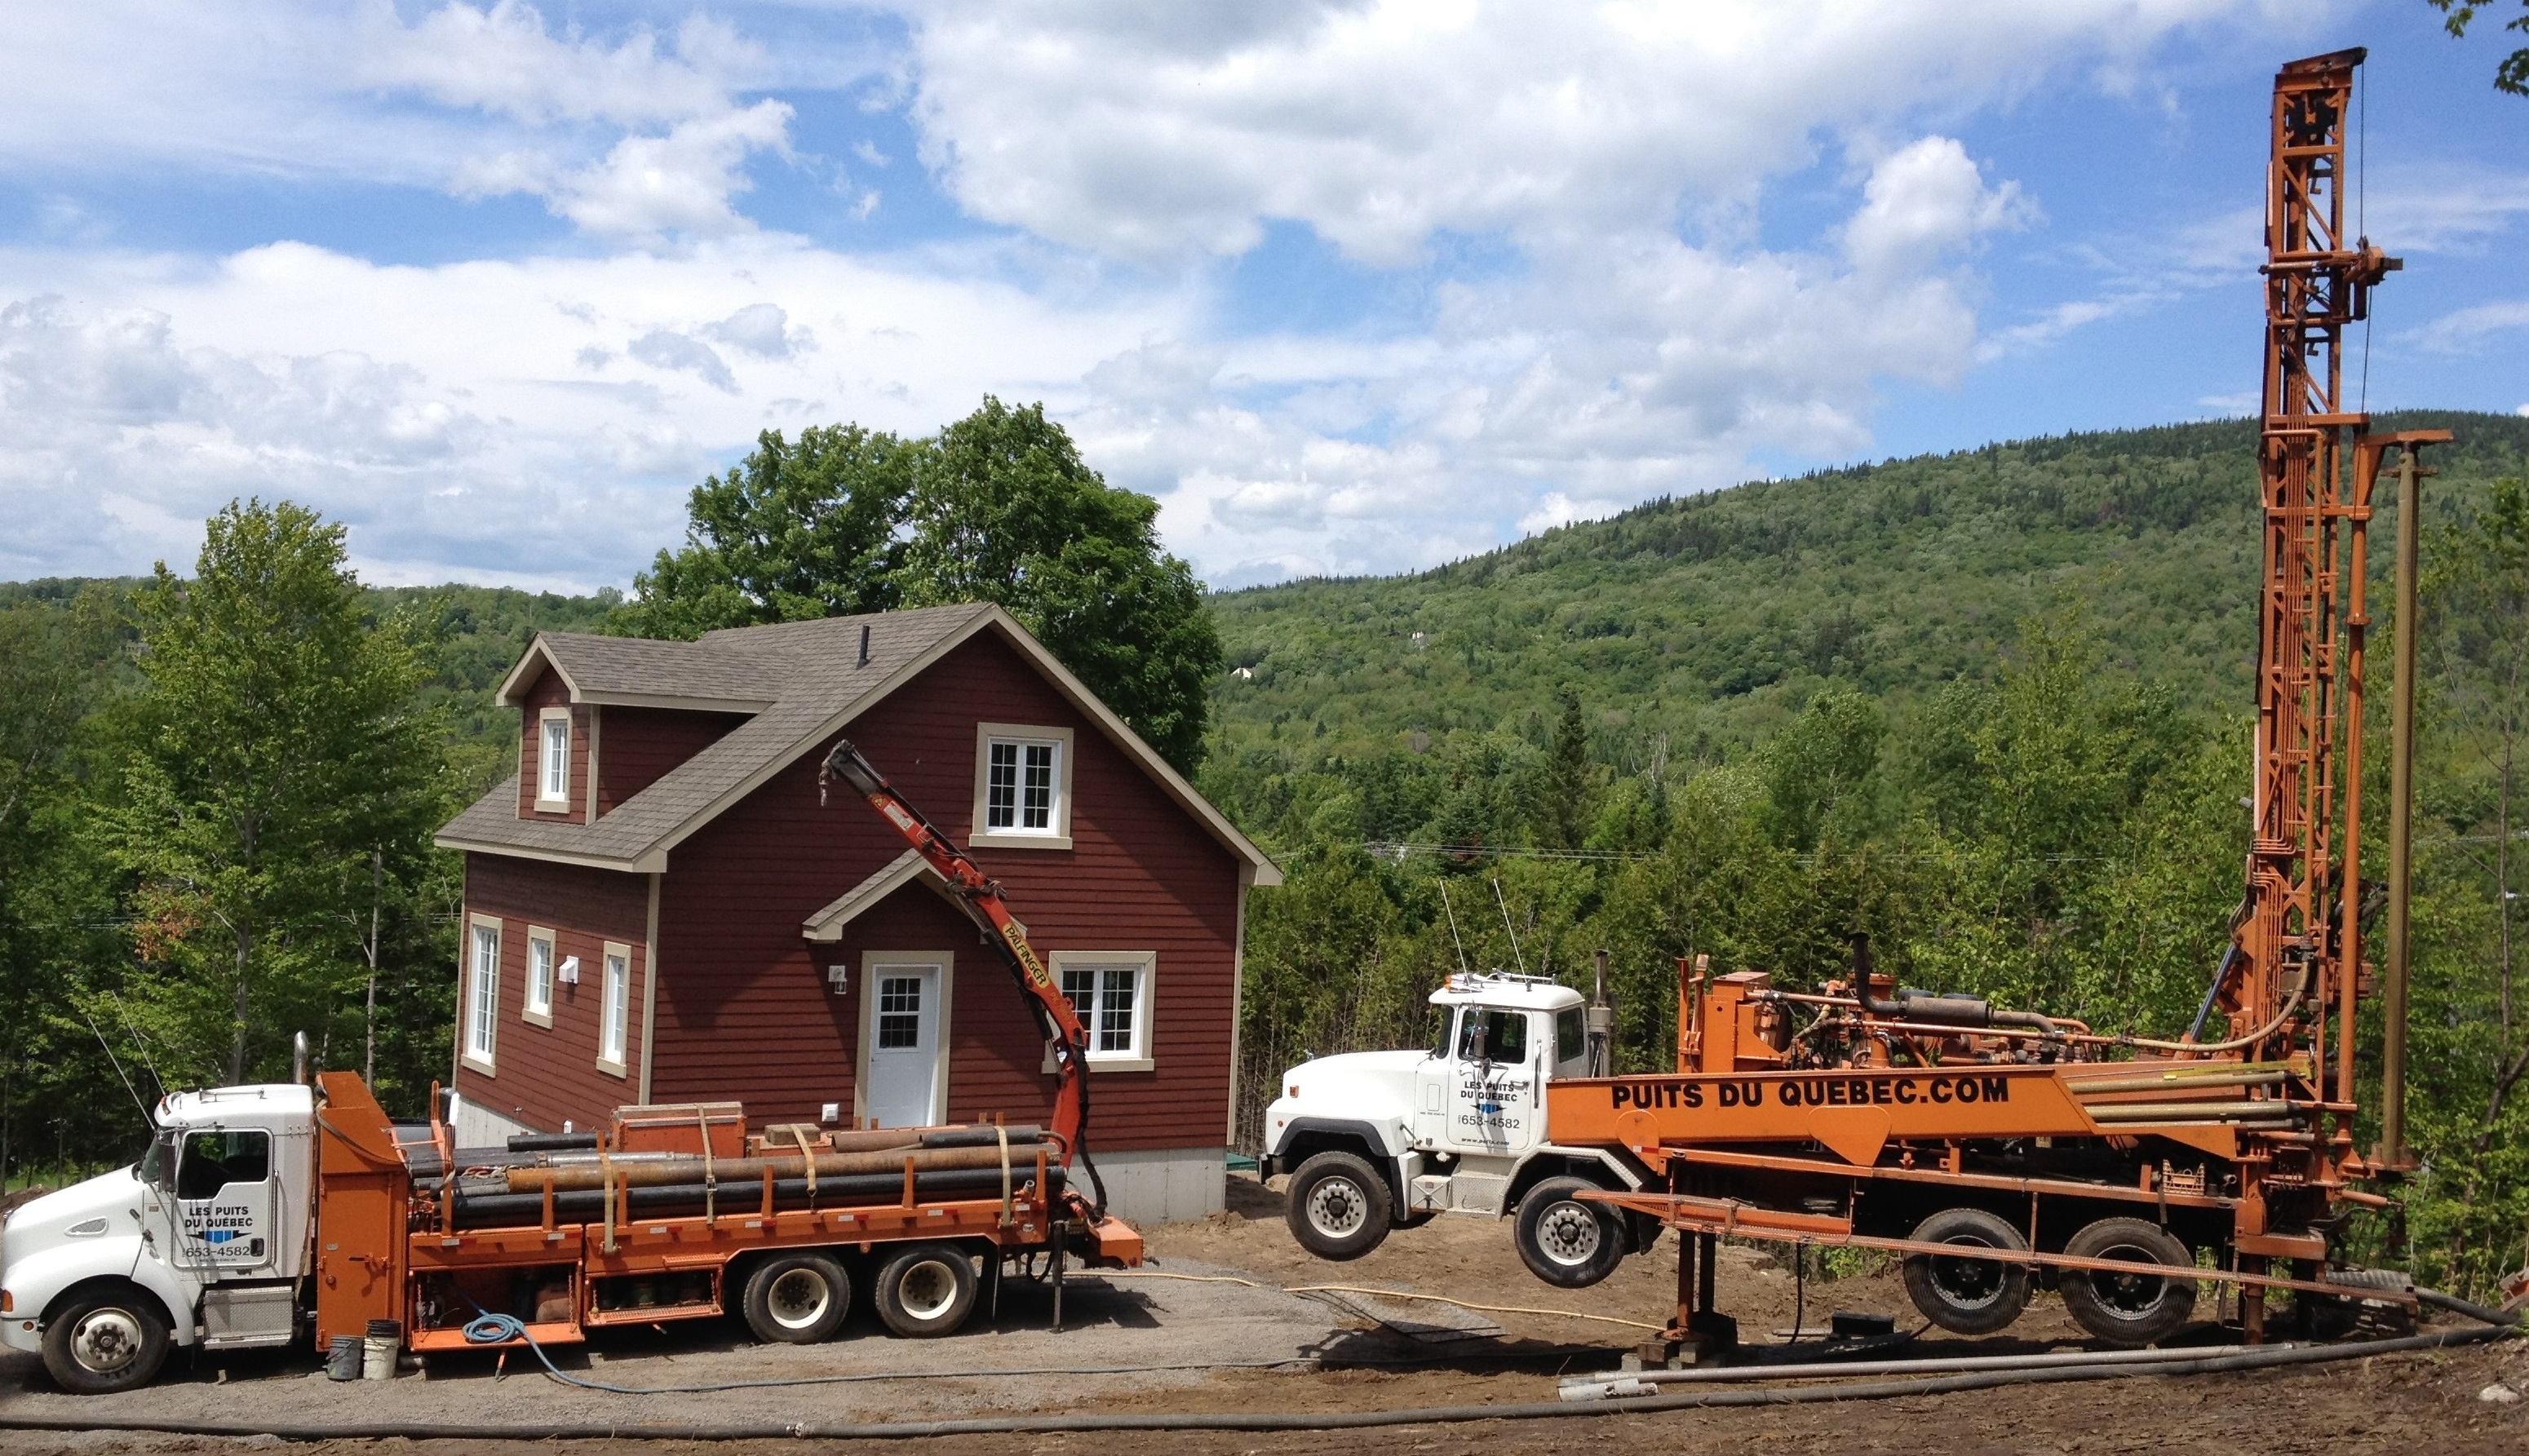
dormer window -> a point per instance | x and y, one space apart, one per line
1023 786
553 760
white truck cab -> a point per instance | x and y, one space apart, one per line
201 1242
1377 1139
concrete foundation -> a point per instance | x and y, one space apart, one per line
1164 1185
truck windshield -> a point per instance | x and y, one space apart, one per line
1440 1037
152 1167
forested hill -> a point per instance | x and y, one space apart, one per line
1711 617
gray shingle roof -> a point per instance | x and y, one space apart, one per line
809 673
801 680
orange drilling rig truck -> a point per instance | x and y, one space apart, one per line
1992 1149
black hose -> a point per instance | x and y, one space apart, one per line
1252 1420
2508 1318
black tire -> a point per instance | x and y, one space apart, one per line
1338 1206
2129 1310
1967 1296
797 1299
1565 1241
926 1291
110 1338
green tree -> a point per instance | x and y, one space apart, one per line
2512 74
1562 802
1004 510
795 531
275 744
1817 768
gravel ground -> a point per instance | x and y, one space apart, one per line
2416 1402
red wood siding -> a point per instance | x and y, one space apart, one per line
549 691
637 747
544 1075
743 1010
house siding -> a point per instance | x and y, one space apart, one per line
549 691
743 1009
637 747
543 1075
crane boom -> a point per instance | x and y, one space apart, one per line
980 896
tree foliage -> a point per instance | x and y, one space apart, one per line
2511 73
998 507
275 744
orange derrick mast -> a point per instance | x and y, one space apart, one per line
1922 1123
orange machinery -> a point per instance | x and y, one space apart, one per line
1984 1144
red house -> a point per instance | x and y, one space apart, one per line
658 910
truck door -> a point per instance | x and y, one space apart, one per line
224 1205
1431 1082
1493 1093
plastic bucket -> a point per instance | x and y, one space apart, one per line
344 1358
385 1342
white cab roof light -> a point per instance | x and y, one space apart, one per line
1529 992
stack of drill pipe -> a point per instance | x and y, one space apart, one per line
681 1184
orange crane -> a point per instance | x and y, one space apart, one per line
980 896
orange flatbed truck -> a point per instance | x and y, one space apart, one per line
265 1213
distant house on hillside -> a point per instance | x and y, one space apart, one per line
658 910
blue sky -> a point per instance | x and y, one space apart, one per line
1349 286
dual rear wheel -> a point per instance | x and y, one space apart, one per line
1970 1295
922 1291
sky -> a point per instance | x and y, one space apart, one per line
1348 286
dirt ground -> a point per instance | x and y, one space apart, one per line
1348 1352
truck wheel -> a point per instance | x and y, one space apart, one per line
1967 1296
1565 1241
926 1291
108 1339
797 1299
1338 1206
2126 1309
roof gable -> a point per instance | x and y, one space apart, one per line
803 683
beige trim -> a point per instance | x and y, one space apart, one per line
1237 1010
1059 837
487 1064
593 715
538 935
614 950
1144 1008
749 706
826 927
515 684
649 989
545 803
871 960
651 863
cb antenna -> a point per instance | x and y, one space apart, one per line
1453 928
117 1064
1517 959
139 1041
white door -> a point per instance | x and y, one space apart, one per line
1494 1082
906 1077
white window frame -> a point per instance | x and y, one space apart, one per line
1146 966
871 961
1057 834
536 998
615 1009
547 800
481 1031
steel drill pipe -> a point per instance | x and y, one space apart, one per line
743 1198
730 1171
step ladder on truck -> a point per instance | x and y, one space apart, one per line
260 1216
1991 1150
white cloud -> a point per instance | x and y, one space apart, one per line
1135 131
2465 329
446 413
763 330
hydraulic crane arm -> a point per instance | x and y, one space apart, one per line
981 895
